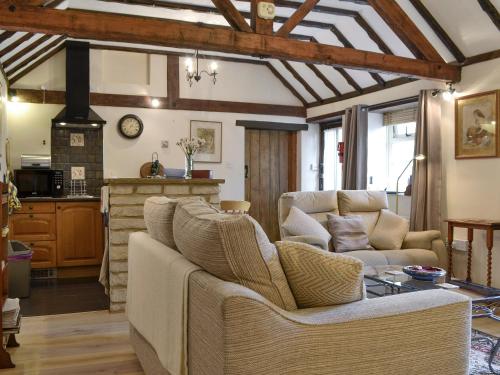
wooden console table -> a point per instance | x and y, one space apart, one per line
488 225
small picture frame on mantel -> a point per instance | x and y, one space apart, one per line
211 132
477 126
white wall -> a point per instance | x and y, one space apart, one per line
470 187
139 74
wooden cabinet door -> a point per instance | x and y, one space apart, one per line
44 254
33 227
80 240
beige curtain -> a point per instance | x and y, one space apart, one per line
427 177
355 136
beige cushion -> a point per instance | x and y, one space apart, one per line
299 223
390 231
361 201
320 278
348 233
159 216
233 248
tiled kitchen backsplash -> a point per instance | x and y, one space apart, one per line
88 156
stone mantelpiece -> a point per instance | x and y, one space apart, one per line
126 200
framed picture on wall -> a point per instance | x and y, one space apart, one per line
211 132
476 126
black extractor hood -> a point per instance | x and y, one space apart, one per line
77 113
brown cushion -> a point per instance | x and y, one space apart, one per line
159 217
320 278
389 232
233 248
348 233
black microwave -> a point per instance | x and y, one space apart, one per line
39 183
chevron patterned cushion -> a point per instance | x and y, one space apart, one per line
320 278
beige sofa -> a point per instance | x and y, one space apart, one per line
233 330
425 248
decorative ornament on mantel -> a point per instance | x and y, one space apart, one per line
190 146
193 72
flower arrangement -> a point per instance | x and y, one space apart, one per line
190 146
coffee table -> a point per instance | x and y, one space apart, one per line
379 283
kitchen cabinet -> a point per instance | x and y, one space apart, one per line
60 233
79 234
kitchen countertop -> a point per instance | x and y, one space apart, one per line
163 181
61 199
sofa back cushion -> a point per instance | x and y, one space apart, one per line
314 203
159 217
320 278
366 204
233 248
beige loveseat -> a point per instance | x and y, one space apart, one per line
233 330
424 248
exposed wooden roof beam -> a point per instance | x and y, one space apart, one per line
372 34
438 30
349 79
318 8
6 35
301 80
36 55
405 29
286 83
323 78
12 46
30 47
133 29
491 11
296 17
232 15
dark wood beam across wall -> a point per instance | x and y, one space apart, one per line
405 29
95 25
438 30
296 17
135 101
269 125
491 11
232 15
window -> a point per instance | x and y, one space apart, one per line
391 143
332 168
400 150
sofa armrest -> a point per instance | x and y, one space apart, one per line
310 240
252 336
420 240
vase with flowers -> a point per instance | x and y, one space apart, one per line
190 146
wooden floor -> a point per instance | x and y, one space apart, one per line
74 344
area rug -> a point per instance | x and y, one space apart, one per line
480 353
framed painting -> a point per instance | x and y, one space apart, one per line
211 132
476 126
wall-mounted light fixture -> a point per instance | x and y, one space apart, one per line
13 96
155 103
447 94
193 73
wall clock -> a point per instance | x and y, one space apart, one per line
130 126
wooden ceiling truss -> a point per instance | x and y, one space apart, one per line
247 34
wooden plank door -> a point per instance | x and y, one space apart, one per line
270 170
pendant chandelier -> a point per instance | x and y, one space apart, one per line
193 72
